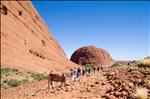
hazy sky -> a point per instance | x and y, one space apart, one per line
120 27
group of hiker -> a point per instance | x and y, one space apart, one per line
74 73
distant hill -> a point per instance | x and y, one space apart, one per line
123 62
92 55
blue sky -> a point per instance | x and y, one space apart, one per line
120 27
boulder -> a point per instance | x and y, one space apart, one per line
93 56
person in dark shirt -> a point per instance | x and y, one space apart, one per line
86 71
89 70
83 71
98 69
63 80
78 72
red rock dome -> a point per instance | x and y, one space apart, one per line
92 55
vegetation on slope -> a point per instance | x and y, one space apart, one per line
141 66
11 77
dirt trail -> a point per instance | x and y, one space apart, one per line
84 87
113 83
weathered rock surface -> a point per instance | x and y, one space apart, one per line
26 42
92 55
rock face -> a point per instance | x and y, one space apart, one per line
26 42
92 55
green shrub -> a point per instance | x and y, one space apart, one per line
132 68
88 66
67 74
5 70
7 74
4 86
24 81
116 65
140 65
15 70
29 72
39 76
5 81
13 83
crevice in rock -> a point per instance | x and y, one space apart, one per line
20 13
43 42
36 54
4 9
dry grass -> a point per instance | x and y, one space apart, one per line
141 93
11 77
142 66
144 62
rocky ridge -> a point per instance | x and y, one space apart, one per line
26 42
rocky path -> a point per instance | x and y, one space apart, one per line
84 87
115 83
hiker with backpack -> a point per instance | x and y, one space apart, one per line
86 71
89 70
83 71
51 80
73 75
98 69
78 72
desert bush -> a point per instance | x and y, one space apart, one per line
141 93
17 73
4 86
29 72
30 79
27 77
15 70
7 74
5 70
24 81
140 65
132 68
5 81
115 65
13 83
39 76
89 66
67 74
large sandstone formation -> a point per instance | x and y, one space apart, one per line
92 55
26 42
